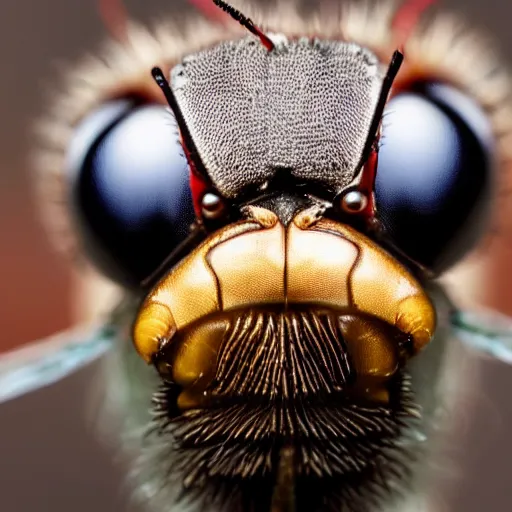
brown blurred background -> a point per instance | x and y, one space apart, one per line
49 458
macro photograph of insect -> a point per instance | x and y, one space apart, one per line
256 256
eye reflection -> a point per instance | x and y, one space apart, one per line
149 159
420 176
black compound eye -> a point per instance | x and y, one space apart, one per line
435 174
130 188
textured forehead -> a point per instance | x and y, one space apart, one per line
305 107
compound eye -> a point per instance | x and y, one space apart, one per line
435 174
130 188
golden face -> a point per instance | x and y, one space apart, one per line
260 263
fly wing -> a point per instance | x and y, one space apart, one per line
489 332
44 362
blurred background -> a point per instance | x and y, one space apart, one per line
50 459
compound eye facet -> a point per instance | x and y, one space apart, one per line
130 188
435 174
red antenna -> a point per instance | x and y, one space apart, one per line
407 17
115 18
210 9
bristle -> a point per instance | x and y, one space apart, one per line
247 367
270 392
148 443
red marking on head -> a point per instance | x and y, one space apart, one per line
198 184
407 17
265 40
115 18
367 183
198 188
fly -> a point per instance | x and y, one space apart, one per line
277 205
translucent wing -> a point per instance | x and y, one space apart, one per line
487 331
49 360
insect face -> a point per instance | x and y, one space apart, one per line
284 319
280 235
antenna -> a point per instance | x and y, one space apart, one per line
394 67
188 142
244 21
369 157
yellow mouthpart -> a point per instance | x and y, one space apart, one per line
261 262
